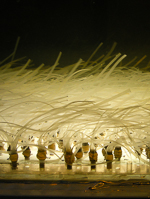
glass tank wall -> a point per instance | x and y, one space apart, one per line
88 120
77 106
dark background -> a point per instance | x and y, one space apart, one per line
75 27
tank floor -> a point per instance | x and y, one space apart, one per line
63 189
124 179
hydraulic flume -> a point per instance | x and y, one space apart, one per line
86 121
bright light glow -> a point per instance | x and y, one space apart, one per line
104 103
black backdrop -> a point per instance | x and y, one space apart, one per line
75 27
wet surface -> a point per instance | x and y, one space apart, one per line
130 188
